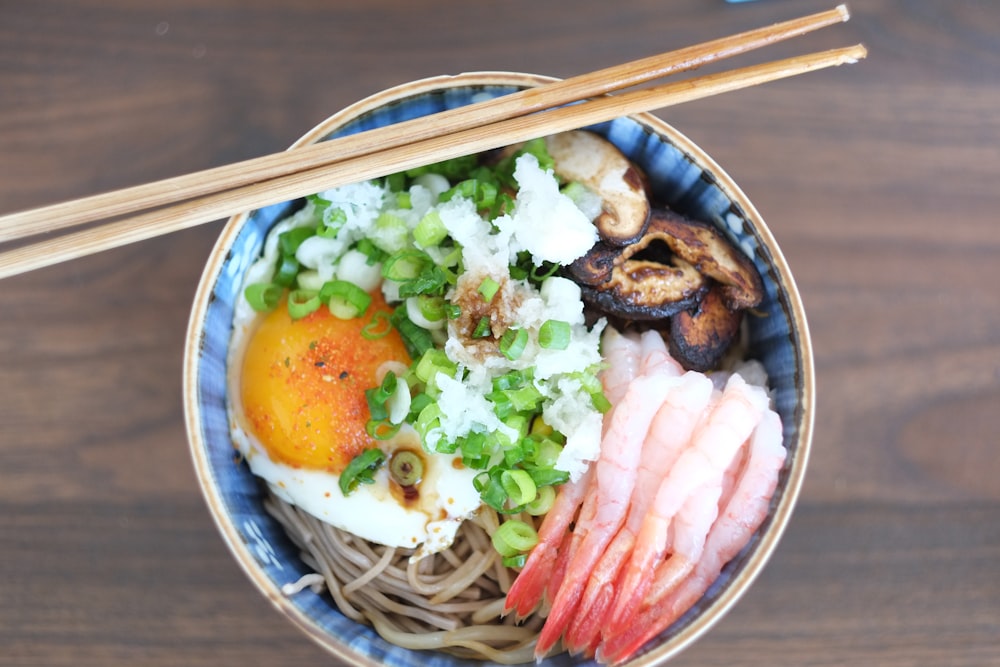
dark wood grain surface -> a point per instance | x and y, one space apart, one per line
879 180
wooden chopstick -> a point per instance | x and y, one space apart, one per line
212 207
143 197
293 184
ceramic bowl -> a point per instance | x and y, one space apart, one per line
682 175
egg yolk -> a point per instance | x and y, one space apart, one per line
303 384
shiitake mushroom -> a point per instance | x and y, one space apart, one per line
682 276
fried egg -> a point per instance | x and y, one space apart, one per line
298 414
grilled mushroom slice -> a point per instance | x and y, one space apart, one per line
699 337
618 282
680 268
596 163
702 245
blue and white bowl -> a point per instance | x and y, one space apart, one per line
682 176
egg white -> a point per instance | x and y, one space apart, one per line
446 494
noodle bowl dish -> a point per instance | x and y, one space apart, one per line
550 403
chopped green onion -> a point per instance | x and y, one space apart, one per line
546 453
431 307
490 490
428 419
289 242
519 486
512 379
345 299
302 302
548 476
524 398
417 405
288 268
515 561
488 288
381 429
452 169
554 335
403 200
390 232
416 272
482 329
377 397
503 407
406 467
318 200
333 220
263 297
395 182
517 422
405 265
514 537
416 339
379 327
430 231
371 251
432 362
540 273
475 450
543 503
482 193
513 342
600 402
361 470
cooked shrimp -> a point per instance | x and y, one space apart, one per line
622 354
529 586
702 464
615 472
669 433
744 513
654 356
544 569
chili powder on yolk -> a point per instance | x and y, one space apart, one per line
303 384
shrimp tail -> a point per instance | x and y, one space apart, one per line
587 625
529 586
634 581
617 648
526 592
746 509
566 601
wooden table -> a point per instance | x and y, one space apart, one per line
880 181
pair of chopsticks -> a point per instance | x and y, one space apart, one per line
185 201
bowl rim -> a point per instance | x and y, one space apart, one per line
799 332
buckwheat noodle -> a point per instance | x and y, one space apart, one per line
449 601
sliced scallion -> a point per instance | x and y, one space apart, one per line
543 502
554 335
514 537
263 297
512 343
333 220
406 467
381 429
361 470
431 307
519 486
488 289
430 231
378 327
482 329
345 299
302 302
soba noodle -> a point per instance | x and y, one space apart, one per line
449 601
